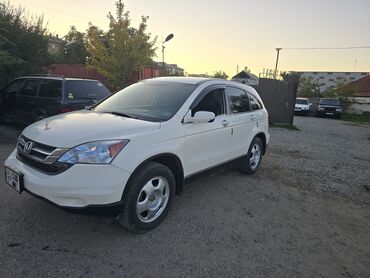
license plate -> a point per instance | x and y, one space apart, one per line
328 113
14 179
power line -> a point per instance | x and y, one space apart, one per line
65 13
326 48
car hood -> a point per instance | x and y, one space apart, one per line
75 128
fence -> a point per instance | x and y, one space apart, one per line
279 99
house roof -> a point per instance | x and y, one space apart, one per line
362 86
244 75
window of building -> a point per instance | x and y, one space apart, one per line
30 88
330 73
238 99
51 89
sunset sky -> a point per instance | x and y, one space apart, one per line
213 35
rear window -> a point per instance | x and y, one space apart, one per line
82 90
329 101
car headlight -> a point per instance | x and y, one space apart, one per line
339 109
100 152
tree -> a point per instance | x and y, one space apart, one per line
73 49
23 43
220 74
308 87
291 76
122 50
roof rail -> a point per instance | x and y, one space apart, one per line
48 75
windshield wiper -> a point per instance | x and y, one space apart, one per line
120 114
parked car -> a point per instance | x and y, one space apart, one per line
32 98
302 106
136 148
329 107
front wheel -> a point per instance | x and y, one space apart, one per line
148 198
250 163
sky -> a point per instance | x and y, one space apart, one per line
212 35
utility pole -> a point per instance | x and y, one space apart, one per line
277 60
237 69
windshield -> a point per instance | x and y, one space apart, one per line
150 101
329 101
85 89
301 101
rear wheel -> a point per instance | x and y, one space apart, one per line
148 198
250 163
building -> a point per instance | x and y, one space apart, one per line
328 80
246 78
360 103
171 69
54 45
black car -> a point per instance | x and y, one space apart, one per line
32 98
329 107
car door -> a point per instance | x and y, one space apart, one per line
9 98
241 121
27 100
49 98
207 144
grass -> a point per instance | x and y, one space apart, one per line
368 138
285 126
361 119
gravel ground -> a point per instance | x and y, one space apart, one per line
304 214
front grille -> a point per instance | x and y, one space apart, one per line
329 109
40 156
49 169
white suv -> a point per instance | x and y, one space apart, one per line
136 148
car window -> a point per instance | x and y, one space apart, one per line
51 89
239 100
151 101
255 104
328 101
301 101
14 86
30 88
85 89
212 102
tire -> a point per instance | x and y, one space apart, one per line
255 152
152 189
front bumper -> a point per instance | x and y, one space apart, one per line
81 186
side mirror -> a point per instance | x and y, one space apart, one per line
310 104
200 117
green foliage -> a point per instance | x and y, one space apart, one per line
122 50
220 74
355 118
73 49
290 76
23 43
308 87
285 126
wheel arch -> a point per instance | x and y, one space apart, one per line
262 136
169 160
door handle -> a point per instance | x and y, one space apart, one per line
253 117
225 123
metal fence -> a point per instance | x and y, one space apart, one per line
279 99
